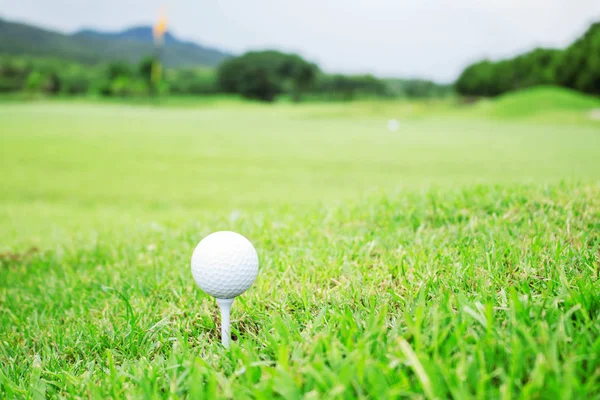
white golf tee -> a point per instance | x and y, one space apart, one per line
225 306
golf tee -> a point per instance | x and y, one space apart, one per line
225 306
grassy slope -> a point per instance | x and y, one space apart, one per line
71 169
547 102
545 99
430 285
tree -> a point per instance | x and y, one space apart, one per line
39 82
13 75
259 84
263 75
417 88
487 78
198 81
120 80
579 66
475 79
297 74
145 71
348 87
52 85
35 81
76 80
118 69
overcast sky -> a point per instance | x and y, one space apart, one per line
405 38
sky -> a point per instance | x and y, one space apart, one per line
432 39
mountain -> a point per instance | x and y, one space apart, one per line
138 33
22 39
175 53
91 46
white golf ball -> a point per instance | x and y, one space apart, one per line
393 125
224 264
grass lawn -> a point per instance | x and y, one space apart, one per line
457 257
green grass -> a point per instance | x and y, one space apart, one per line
455 258
547 103
544 99
70 169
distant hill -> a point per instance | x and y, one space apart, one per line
91 46
138 33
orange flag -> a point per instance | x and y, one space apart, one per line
160 28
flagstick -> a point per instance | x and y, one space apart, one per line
159 31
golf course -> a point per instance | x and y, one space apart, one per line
455 257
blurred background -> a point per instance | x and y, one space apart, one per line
137 112
345 51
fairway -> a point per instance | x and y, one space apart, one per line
70 169
455 257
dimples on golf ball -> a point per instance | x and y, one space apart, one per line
224 264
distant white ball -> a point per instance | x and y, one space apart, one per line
224 264
393 125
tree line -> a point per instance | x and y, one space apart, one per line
576 67
262 75
269 75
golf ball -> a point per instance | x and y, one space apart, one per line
393 125
224 264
